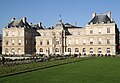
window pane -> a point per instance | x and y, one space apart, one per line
18 33
40 42
84 41
19 42
6 50
91 40
69 49
12 50
84 50
13 41
108 30
91 50
108 40
41 50
99 30
108 50
6 42
99 50
76 41
56 50
99 40
47 42
76 50
13 33
19 50
6 33
91 31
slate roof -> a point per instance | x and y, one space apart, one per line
17 23
36 27
68 25
101 19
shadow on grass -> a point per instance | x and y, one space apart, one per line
35 69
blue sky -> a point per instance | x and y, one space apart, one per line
48 11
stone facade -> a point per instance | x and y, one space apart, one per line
100 36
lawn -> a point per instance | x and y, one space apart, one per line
96 70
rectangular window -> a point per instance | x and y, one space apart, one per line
108 30
47 42
108 40
13 42
91 41
76 41
18 33
78 33
108 50
84 41
13 33
99 40
91 31
40 42
6 42
57 42
99 30
19 42
6 33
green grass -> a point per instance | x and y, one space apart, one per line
97 70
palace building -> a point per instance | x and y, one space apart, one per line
99 36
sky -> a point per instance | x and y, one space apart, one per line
48 11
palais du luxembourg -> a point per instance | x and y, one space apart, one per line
99 36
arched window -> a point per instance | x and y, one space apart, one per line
40 42
56 50
83 50
76 50
13 50
6 50
47 42
99 50
19 50
41 50
69 49
91 50
108 50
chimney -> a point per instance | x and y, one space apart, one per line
109 14
93 15
75 23
40 24
24 19
12 19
